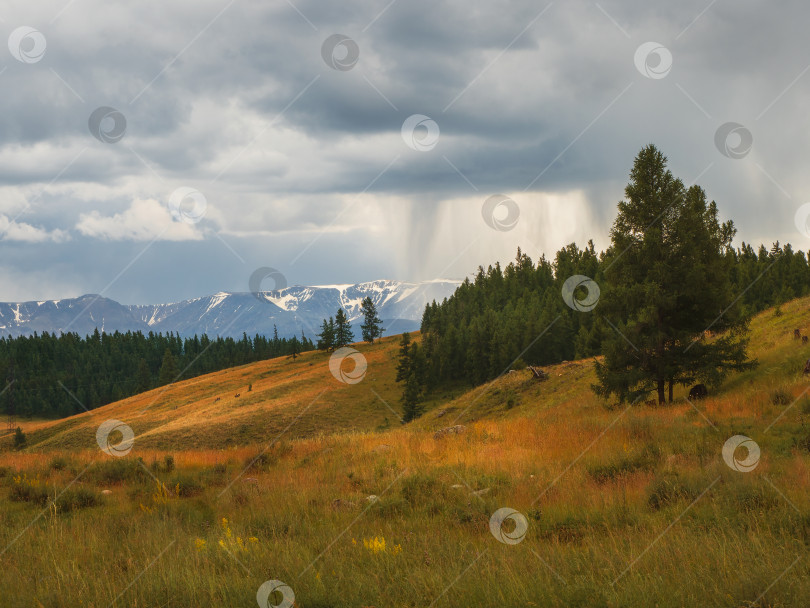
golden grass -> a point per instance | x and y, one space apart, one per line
609 494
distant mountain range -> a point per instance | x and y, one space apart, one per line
291 310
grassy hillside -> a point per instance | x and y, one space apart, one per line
299 398
625 506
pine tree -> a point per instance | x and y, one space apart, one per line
143 377
666 281
410 398
372 324
295 347
326 339
343 329
168 369
20 440
404 361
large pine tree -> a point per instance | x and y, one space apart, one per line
372 324
666 287
343 329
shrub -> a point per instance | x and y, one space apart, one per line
28 490
670 488
117 470
186 486
168 463
77 498
781 397
58 463
20 440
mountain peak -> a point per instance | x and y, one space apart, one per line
290 310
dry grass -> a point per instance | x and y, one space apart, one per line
626 507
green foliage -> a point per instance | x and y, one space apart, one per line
666 279
168 369
326 339
58 463
343 329
20 441
102 367
496 321
668 275
116 471
186 485
372 324
411 371
75 498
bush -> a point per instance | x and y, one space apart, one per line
168 463
77 498
58 463
267 458
186 486
781 397
29 490
669 488
20 440
117 470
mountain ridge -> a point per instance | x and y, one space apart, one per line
291 310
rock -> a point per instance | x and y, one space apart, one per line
251 480
441 413
105 492
480 492
450 430
457 486
372 498
342 504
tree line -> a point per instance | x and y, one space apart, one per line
51 375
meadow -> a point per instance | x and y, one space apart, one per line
313 482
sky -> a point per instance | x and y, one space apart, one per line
158 151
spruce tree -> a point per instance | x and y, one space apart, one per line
343 329
326 339
295 347
372 324
143 377
168 369
404 361
666 282
411 395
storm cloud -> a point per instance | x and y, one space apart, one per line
295 144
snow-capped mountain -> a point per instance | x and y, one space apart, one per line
292 310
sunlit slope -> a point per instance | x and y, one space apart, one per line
297 398
302 398
781 361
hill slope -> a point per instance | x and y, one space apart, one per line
623 507
302 398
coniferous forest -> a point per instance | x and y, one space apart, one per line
669 274
39 370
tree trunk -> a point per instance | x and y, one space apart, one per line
661 386
670 391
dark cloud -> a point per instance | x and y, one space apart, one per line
303 166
